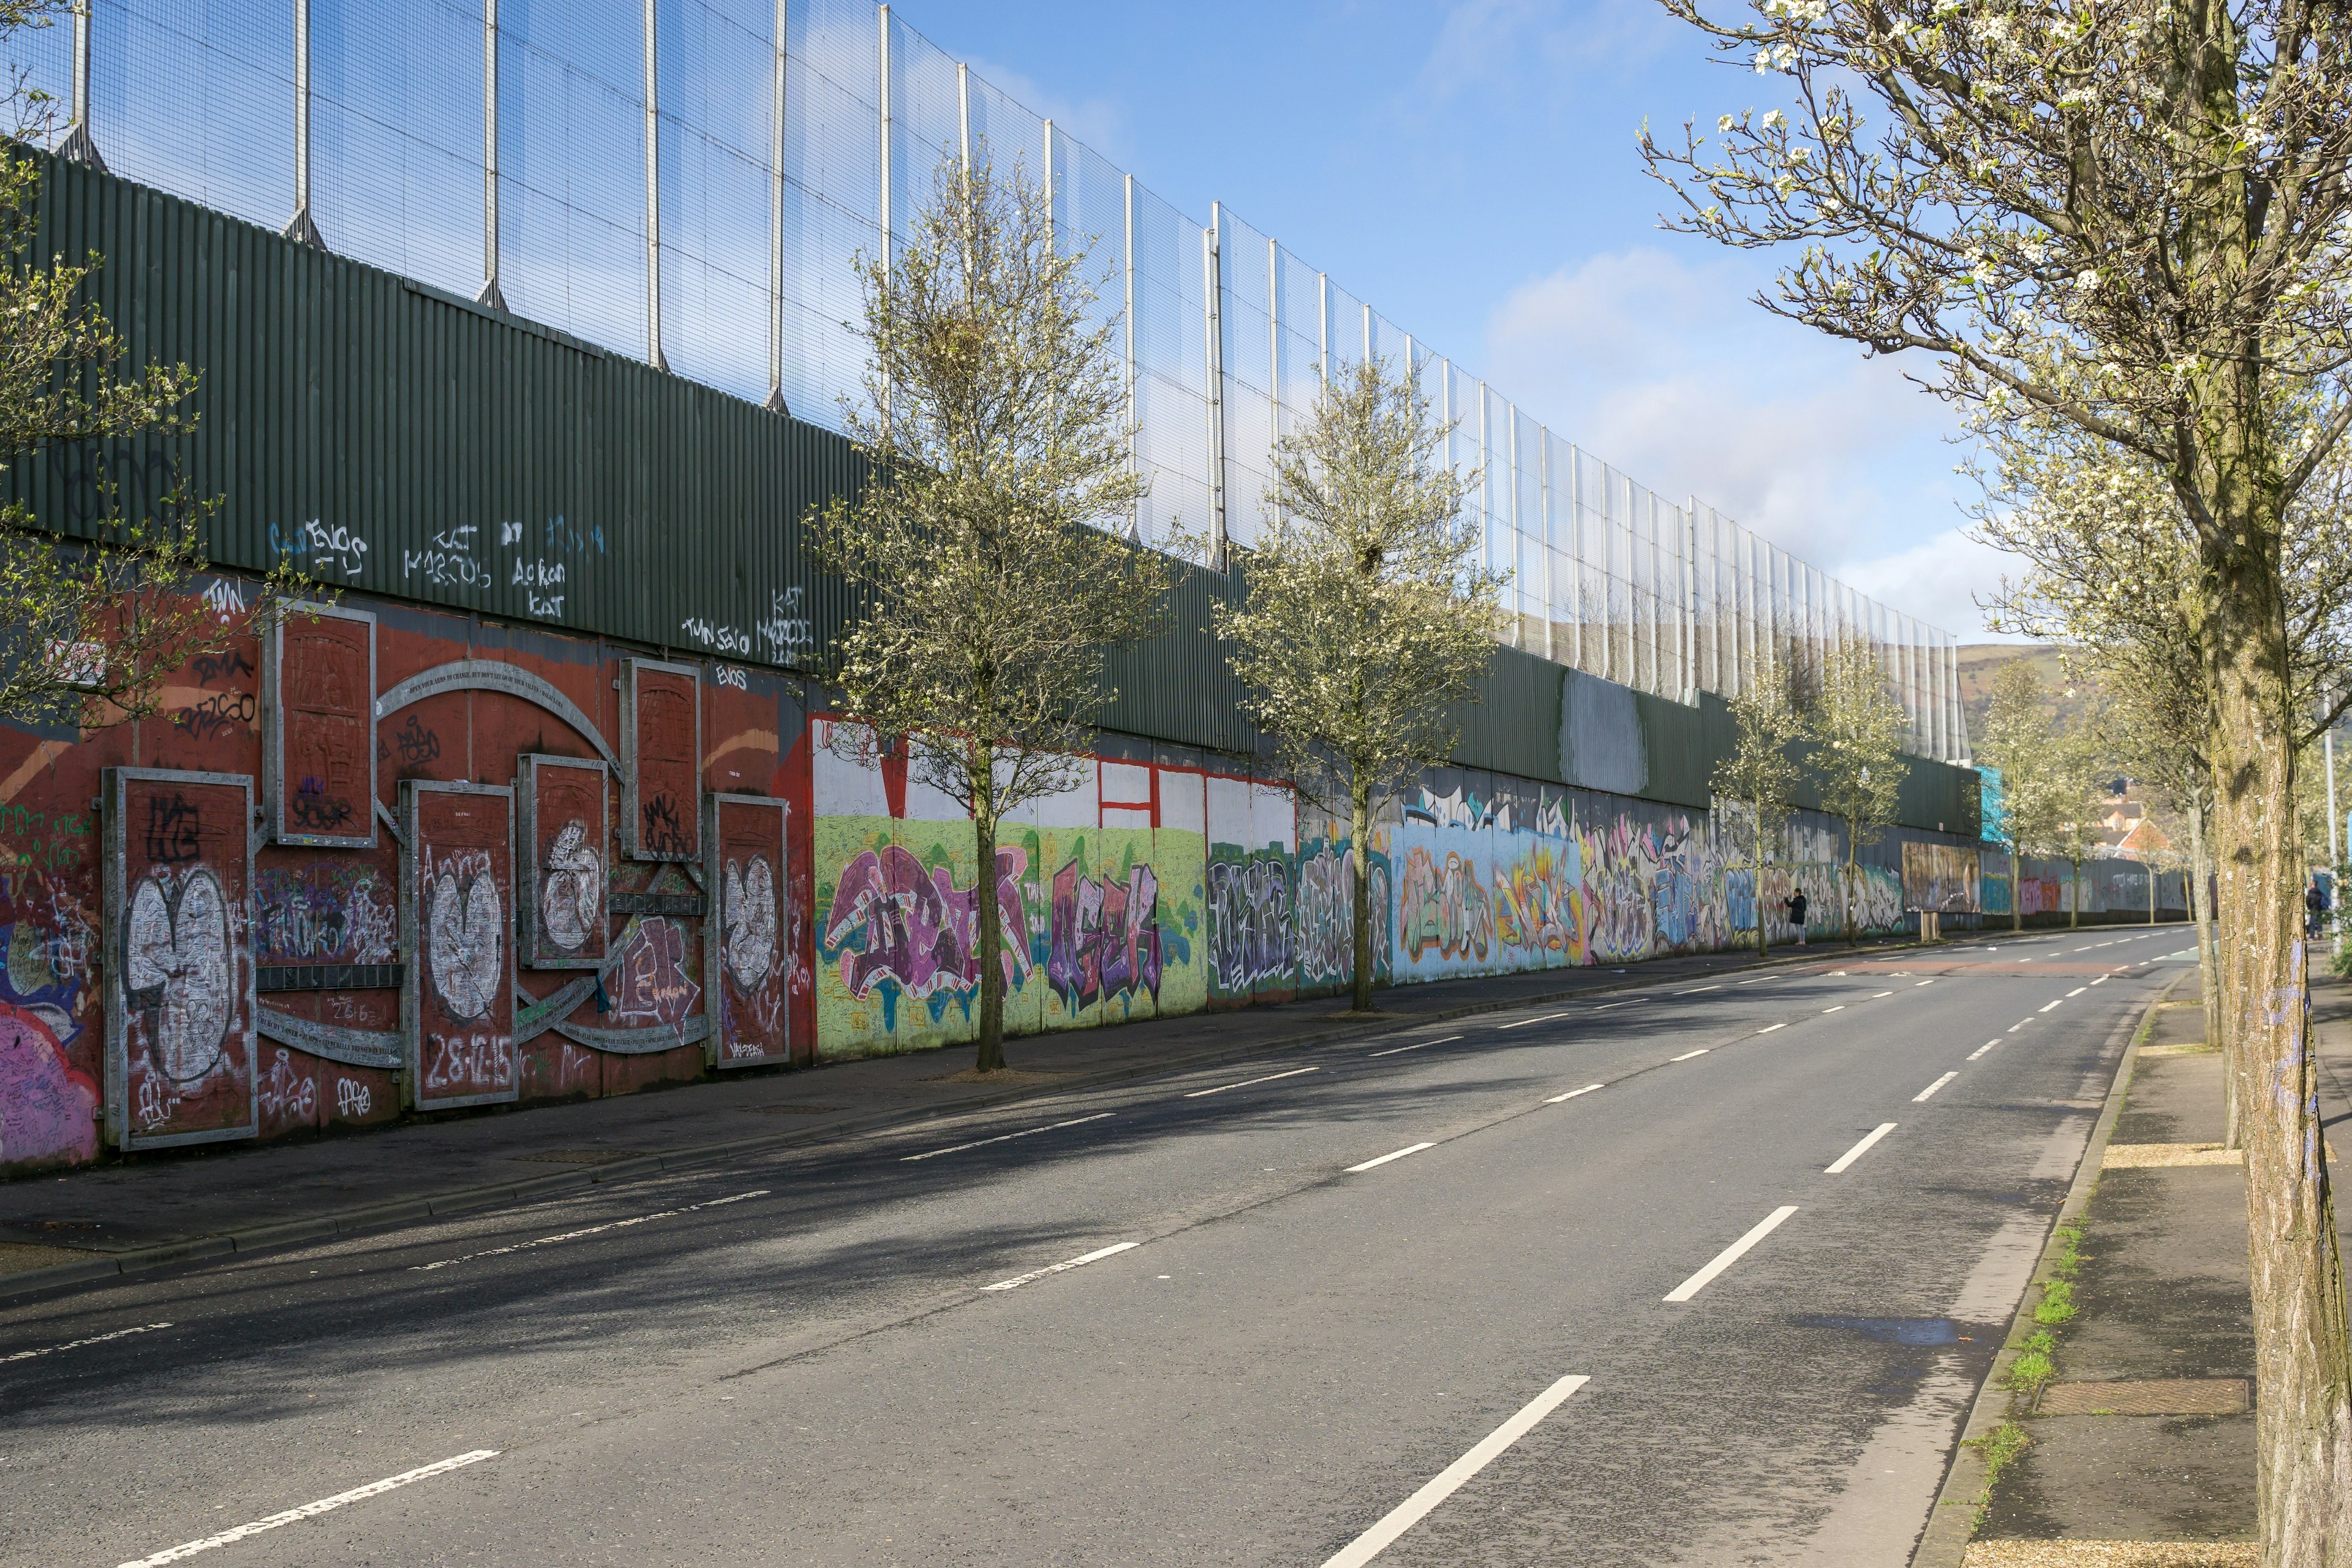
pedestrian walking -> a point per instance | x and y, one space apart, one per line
1796 914
2315 908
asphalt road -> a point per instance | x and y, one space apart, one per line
863 1353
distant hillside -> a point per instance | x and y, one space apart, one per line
1979 662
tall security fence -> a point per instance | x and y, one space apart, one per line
691 181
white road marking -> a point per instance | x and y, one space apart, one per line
1392 1050
1448 1481
1399 1155
1606 1005
1838 1165
77 1344
2019 1024
2047 1006
585 1230
1096 1255
1696 989
1934 1087
1922 983
1523 1023
1983 1049
2101 980
312 1510
1769 1027
1839 1008
2078 991
1730 1255
1248 1082
1881 994
1002 1138
1687 1055
1573 1093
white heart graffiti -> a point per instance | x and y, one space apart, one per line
462 919
178 970
572 894
750 920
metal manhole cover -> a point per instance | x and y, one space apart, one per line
581 1156
2159 1397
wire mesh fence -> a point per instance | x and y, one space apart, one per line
697 180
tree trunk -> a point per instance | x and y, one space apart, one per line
1852 880
1359 851
2016 890
2303 1409
1763 940
987 938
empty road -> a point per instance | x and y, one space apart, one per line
1691 1273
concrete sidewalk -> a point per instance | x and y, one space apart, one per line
105 1220
2131 1443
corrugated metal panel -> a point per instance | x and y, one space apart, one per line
403 442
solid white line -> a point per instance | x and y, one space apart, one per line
1769 1027
312 1510
1982 1049
2078 991
1411 1511
2047 1006
1248 1082
1523 1023
1687 1055
77 1344
1096 1255
1399 1155
1934 1087
1839 1008
1838 1165
1393 1050
1730 1255
1573 1093
585 1230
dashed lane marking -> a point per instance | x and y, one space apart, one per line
584 1231
313 1510
1687 1055
1394 1154
1573 1093
77 1344
1251 1083
1769 1027
1730 1255
1983 1049
1838 1166
1932 1087
1448 1481
1523 1023
1393 1050
1096 1255
1003 1137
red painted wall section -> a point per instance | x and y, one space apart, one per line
330 918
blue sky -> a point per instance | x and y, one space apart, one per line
1468 169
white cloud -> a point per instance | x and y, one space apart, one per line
1670 373
1514 46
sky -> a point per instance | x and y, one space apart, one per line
1469 170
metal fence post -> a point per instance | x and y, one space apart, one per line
1213 284
1127 334
963 114
1551 556
300 228
775 231
78 146
653 200
889 242
491 295
1323 325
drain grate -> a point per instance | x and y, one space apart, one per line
2158 1396
581 1156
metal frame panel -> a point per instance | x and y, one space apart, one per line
719 980
530 871
418 976
238 910
684 799
274 802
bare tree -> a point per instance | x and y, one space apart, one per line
1369 619
2131 219
985 546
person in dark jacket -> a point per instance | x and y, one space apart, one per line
2314 907
1796 914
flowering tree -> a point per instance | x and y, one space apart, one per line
1758 778
2129 219
995 416
1368 620
1854 734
